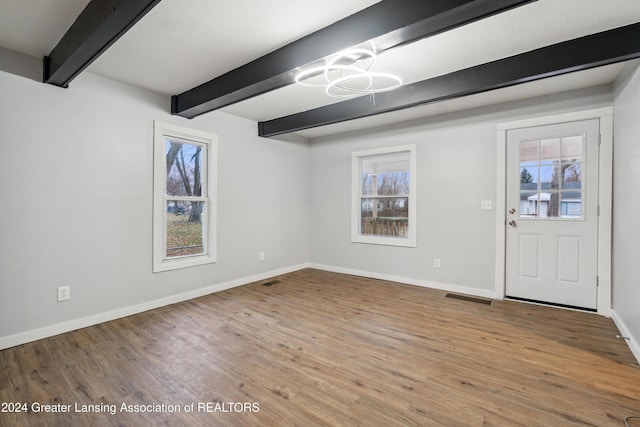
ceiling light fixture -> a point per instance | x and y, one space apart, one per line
349 74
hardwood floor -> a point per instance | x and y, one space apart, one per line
320 349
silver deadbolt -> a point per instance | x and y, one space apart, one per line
513 223
512 211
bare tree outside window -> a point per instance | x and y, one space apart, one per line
383 189
184 180
385 198
184 197
551 178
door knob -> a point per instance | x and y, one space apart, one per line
512 223
512 211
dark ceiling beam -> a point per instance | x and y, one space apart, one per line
99 25
389 23
608 47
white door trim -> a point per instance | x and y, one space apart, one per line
605 172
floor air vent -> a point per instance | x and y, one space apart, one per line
469 298
271 282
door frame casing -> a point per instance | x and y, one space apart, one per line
605 198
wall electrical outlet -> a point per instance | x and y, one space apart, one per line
486 205
64 293
261 256
436 263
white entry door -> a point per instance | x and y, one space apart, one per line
552 213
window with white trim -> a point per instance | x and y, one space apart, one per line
383 188
184 202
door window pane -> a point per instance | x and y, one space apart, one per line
529 204
572 147
528 176
550 150
549 177
550 205
529 151
572 176
571 205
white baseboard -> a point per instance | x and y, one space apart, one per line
625 332
408 280
49 331
72 325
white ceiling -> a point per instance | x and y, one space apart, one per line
182 43
34 27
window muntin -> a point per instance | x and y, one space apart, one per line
384 196
551 178
184 200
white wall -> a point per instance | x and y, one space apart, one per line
76 191
456 168
626 206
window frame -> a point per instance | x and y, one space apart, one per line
162 131
356 197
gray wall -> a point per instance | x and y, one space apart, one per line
76 186
76 177
456 168
626 205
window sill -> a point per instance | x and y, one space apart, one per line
179 263
385 241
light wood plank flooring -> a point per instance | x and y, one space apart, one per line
326 349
